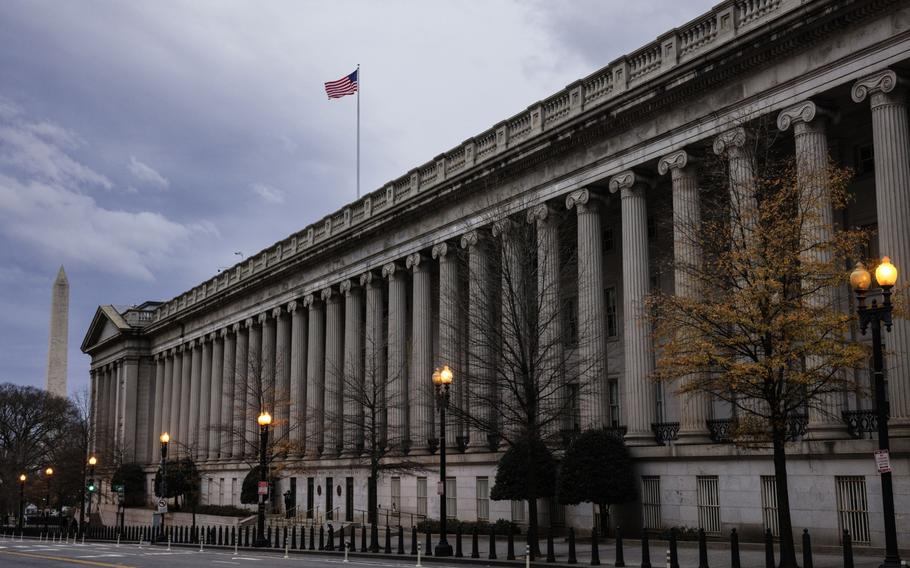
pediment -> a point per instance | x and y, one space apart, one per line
107 324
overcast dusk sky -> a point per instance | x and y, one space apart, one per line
142 143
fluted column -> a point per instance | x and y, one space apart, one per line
637 347
353 384
334 371
420 407
229 354
374 365
733 145
592 324
397 393
186 368
483 431
448 335
104 412
256 382
512 327
114 403
93 412
298 392
269 367
283 374
159 404
129 392
239 404
205 398
693 406
550 354
809 129
891 138
176 391
315 377
192 437
215 395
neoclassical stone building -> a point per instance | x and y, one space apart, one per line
370 288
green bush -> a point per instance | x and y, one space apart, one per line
222 511
132 478
249 491
503 526
527 463
182 480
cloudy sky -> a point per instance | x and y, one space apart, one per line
143 143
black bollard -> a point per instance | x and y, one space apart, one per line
551 551
413 540
268 538
294 537
807 549
341 538
702 549
645 550
458 553
331 538
285 537
492 554
321 537
388 540
595 548
353 543
769 549
848 550
510 546
620 557
734 549
363 538
312 538
572 559
247 537
429 546
374 538
674 554
475 551
400 539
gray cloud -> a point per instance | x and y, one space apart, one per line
268 193
147 175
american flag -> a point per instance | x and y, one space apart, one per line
344 86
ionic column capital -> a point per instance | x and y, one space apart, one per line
346 287
540 214
235 327
470 239
248 323
389 270
414 262
309 300
503 228
802 116
879 83
292 306
276 312
730 141
677 160
582 200
326 293
368 278
261 318
223 332
629 183
440 251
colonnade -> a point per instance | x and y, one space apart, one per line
313 359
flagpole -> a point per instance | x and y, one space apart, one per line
358 130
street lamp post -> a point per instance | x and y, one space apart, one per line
874 316
264 420
441 380
92 462
22 479
47 510
164 438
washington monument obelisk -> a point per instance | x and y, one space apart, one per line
55 382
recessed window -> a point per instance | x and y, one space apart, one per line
853 507
650 501
483 498
422 496
864 159
769 503
612 319
708 504
451 498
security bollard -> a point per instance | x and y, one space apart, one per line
620 557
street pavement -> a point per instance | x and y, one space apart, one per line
34 553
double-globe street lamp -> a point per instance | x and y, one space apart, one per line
441 380
874 315
164 438
264 420
22 479
92 462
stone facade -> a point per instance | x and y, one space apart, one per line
367 291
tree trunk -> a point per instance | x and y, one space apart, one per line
371 496
532 528
604 515
785 526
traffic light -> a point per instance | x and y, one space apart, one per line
91 486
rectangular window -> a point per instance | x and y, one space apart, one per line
650 501
395 505
518 512
708 504
221 492
769 503
865 159
234 499
853 507
483 498
422 496
612 321
659 406
613 398
451 498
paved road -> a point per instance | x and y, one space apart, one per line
32 553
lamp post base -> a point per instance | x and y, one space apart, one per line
443 548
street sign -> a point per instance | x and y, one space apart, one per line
162 506
883 461
263 488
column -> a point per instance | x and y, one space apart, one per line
229 353
512 327
103 414
205 398
479 345
420 409
592 325
114 406
186 365
637 347
550 353
374 365
397 392
743 204
256 383
315 377
354 401
129 389
192 433
93 413
448 335
693 406
809 129
298 393
176 390
891 138
159 405
215 395
283 374
334 371
269 368
241 368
